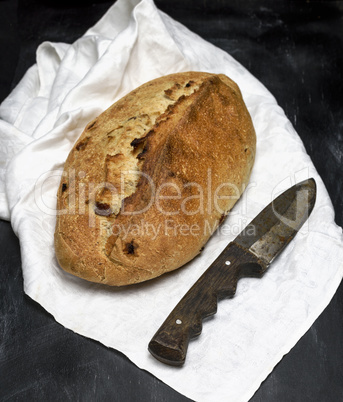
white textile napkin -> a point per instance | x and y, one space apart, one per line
41 120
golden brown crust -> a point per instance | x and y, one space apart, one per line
150 179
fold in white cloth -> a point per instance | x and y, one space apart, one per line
40 121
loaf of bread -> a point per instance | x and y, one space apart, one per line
151 178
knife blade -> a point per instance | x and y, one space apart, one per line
248 255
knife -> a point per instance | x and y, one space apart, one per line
248 255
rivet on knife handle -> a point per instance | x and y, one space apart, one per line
248 255
170 342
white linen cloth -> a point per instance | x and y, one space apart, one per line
41 120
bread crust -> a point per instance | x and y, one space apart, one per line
152 177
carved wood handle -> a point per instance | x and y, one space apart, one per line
170 343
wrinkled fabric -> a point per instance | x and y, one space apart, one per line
41 120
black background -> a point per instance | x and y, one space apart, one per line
295 48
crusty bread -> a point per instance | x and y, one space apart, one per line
152 177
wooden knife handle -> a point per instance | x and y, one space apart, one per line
170 343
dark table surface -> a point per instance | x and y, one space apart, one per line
295 48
